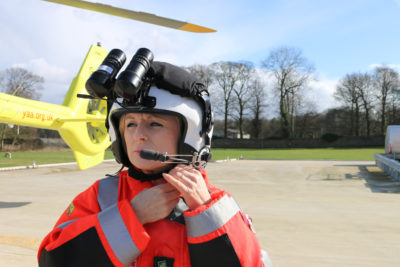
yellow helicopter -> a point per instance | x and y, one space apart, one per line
80 121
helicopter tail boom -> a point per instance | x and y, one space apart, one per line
79 121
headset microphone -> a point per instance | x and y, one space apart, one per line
163 157
153 155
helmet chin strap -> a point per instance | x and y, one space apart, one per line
137 174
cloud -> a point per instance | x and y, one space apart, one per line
51 73
53 39
57 79
321 93
392 66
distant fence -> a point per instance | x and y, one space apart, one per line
346 141
32 144
56 142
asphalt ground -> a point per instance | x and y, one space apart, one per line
306 213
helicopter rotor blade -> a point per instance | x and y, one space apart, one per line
130 14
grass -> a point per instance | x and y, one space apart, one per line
47 157
299 153
40 157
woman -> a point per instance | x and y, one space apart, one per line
156 213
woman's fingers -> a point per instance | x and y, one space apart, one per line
173 195
190 183
164 188
177 183
188 172
155 203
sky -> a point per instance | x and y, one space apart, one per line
337 37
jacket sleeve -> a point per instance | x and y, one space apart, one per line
85 235
220 234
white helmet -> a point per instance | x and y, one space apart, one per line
172 91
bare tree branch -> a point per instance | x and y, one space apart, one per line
292 73
387 82
21 82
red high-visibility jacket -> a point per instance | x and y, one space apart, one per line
100 228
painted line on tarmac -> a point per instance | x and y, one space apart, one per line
20 241
43 165
223 160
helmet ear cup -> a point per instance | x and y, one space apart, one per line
118 148
115 150
205 154
203 157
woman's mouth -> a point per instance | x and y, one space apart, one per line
137 150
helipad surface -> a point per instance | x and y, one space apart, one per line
306 213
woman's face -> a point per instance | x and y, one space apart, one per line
157 132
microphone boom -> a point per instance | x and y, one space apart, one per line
163 157
153 155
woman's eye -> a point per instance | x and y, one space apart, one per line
131 124
156 124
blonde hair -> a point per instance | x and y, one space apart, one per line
121 126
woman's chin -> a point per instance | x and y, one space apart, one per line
149 166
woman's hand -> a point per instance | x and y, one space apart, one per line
190 183
155 203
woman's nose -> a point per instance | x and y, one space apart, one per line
141 132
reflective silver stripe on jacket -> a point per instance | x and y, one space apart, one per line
118 235
65 224
212 218
108 192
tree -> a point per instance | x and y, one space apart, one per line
227 75
257 104
364 89
242 94
19 82
393 111
203 72
307 119
335 121
386 81
355 92
292 73
309 125
348 94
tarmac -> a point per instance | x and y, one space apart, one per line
306 213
